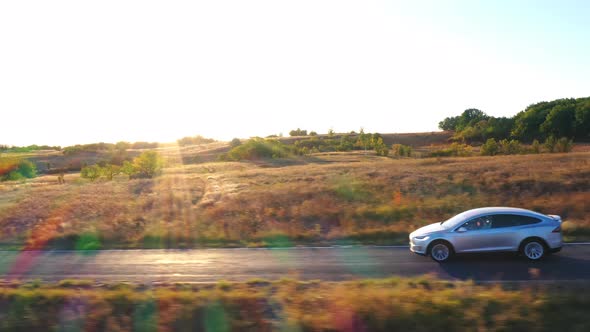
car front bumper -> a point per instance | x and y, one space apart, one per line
418 247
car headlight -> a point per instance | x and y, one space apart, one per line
421 237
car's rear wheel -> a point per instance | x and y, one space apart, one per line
533 249
440 251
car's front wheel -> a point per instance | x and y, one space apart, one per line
440 251
533 249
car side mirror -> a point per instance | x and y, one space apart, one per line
461 230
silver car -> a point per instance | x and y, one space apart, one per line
490 229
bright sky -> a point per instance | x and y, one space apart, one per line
89 71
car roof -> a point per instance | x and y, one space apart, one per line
500 209
464 216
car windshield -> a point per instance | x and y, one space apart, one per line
453 221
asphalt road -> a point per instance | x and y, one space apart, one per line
210 265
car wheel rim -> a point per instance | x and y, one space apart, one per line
440 252
533 250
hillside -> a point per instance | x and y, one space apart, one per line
337 197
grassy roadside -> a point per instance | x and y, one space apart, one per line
326 199
397 304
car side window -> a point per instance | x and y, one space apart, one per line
526 220
479 223
512 220
504 220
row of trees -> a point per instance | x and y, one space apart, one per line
103 147
301 132
147 165
29 148
258 148
551 145
108 147
346 142
194 140
568 118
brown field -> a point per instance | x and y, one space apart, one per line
322 199
396 304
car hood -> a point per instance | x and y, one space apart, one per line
432 228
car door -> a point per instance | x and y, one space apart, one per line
471 235
506 232
481 234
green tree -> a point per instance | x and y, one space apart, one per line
109 171
560 121
363 140
91 172
298 132
148 164
449 123
469 117
235 143
380 148
582 123
544 119
346 144
128 168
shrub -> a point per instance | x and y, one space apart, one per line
489 148
402 150
536 147
346 144
564 145
380 148
510 147
259 148
92 172
16 169
455 150
147 165
550 144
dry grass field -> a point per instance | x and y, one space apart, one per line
329 198
395 304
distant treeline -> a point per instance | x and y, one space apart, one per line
568 118
30 148
96 147
194 140
260 148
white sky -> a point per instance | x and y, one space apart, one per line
89 71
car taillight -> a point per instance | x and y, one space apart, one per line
557 229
